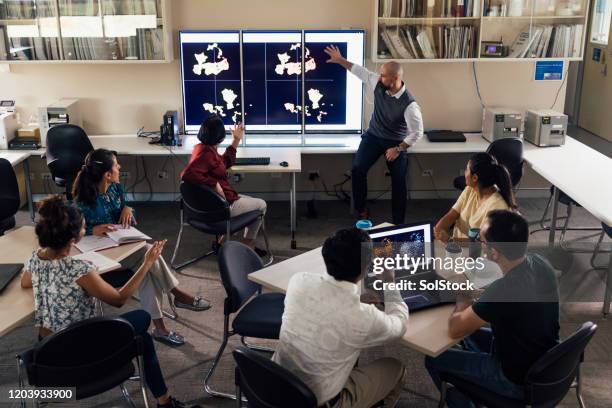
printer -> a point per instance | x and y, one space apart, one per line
501 123
8 128
545 127
58 113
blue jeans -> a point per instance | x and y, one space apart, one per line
140 320
370 149
474 363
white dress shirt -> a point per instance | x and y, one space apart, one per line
325 326
412 114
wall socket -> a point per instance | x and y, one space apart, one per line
237 177
162 175
45 176
124 175
427 173
313 175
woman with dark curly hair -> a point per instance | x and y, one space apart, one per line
65 288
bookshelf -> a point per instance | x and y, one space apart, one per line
85 31
461 30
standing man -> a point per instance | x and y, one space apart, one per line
396 124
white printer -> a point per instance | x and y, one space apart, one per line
545 127
58 113
501 123
8 128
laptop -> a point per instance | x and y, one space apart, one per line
8 273
415 240
445 136
424 298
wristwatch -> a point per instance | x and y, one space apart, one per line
399 149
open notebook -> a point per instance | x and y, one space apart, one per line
112 239
101 262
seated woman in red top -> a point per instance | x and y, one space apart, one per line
206 166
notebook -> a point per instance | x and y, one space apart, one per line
101 262
112 239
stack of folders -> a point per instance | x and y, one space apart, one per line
542 41
427 8
112 239
440 41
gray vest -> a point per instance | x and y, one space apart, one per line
388 120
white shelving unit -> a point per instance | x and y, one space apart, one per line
416 31
86 32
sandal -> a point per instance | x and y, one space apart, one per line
199 304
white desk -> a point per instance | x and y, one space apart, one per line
427 329
21 156
17 304
583 174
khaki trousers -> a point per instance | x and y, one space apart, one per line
245 204
381 380
158 281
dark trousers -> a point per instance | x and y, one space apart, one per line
370 149
472 361
140 320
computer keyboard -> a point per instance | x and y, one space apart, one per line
252 161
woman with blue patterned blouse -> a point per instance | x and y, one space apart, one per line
101 199
65 288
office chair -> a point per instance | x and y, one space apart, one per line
508 152
86 356
570 204
259 316
67 146
546 383
267 384
9 196
206 211
605 230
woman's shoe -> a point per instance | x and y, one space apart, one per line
171 339
199 304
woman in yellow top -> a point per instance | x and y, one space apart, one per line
488 187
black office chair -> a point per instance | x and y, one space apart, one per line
508 152
267 384
93 356
9 196
546 383
205 210
605 230
67 146
258 317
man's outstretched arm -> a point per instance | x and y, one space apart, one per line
335 57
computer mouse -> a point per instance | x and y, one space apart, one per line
284 164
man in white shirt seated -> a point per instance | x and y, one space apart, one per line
325 327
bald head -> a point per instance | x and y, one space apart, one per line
392 69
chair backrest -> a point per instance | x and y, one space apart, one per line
202 203
509 152
549 379
236 261
84 352
9 190
67 146
268 385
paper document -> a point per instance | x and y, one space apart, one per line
125 235
101 262
95 243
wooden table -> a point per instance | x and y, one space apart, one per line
427 329
17 304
